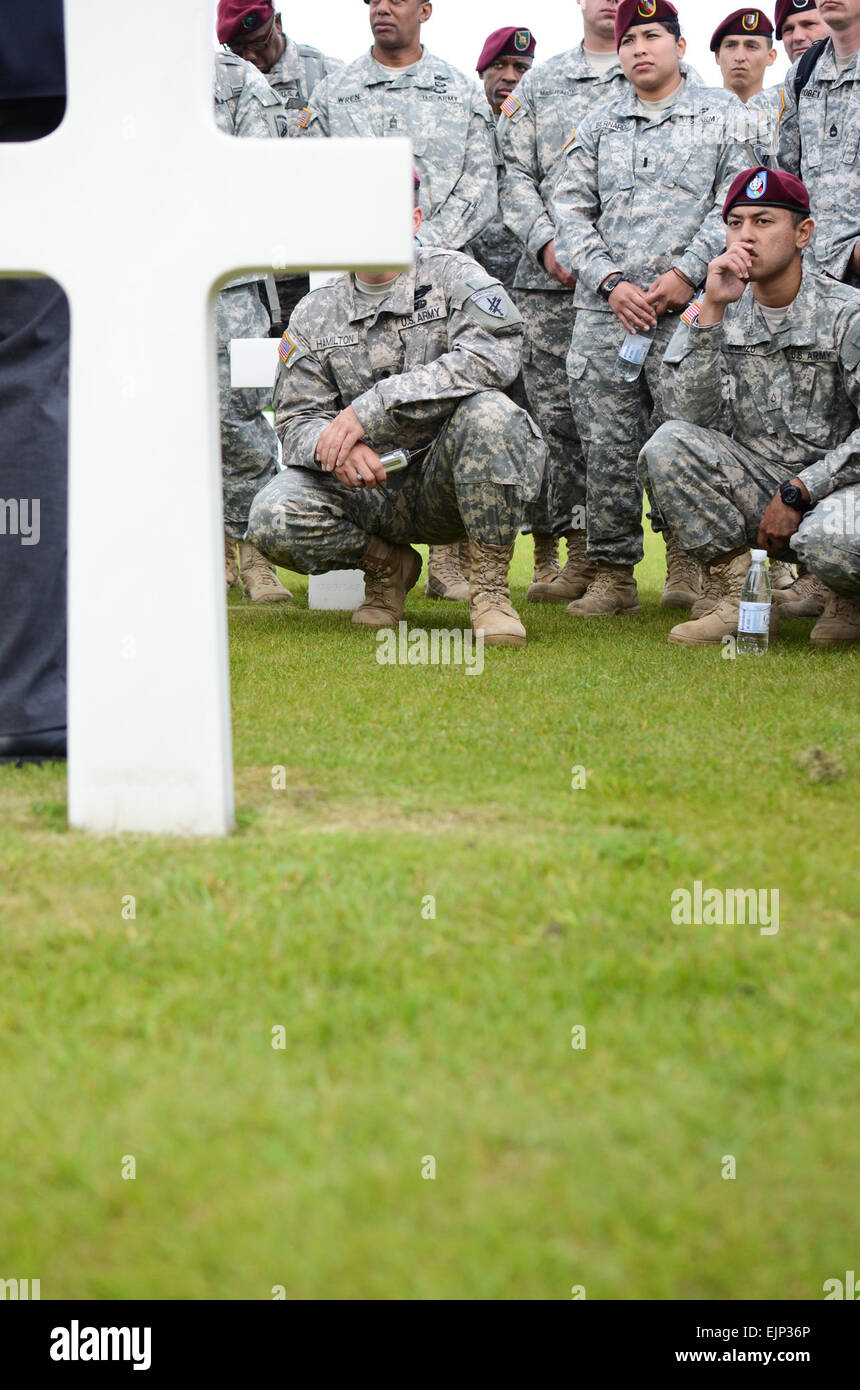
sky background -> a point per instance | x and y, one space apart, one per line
457 29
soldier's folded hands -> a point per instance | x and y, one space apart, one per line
339 439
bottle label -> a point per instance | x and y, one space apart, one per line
754 618
635 349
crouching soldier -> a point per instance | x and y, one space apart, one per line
765 389
418 362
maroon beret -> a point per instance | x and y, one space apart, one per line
632 12
752 22
771 188
786 8
238 19
517 42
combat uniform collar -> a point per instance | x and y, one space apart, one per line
422 74
799 328
827 70
689 102
400 301
578 66
289 65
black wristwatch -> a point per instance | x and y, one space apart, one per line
611 284
793 497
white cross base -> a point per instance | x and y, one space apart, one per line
139 171
254 362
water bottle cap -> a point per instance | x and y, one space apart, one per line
759 556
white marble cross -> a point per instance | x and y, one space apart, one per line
137 205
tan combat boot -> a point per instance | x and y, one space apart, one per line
684 584
490 608
260 583
782 576
613 590
722 621
840 621
712 592
573 580
444 579
390 571
546 558
231 563
805 599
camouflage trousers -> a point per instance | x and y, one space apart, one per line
249 445
474 480
713 491
614 419
548 318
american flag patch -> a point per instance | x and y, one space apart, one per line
510 105
286 347
692 312
304 118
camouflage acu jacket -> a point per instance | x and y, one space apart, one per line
295 75
642 195
793 397
450 124
445 331
537 121
820 142
245 104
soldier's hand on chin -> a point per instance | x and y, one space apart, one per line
728 275
338 439
362 468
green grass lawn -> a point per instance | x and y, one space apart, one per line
408 1036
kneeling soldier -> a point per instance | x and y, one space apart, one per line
765 388
415 361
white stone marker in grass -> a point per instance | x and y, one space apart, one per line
138 205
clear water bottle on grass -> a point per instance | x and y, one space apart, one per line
754 614
632 354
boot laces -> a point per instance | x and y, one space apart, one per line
807 586
490 577
605 581
446 564
681 567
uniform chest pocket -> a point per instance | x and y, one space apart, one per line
615 164
851 139
351 371
815 388
692 167
421 345
439 132
810 116
753 398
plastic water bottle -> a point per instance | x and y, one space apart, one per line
632 354
754 615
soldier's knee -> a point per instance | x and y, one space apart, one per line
486 410
828 544
659 457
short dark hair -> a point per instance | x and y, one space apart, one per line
672 25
